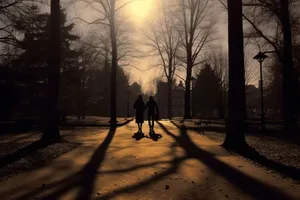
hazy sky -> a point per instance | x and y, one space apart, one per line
138 14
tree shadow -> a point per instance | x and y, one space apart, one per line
250 129
90 170
21 153
175 166
247 184
255 156
253 187
85 178
9 140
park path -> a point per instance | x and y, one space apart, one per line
180 165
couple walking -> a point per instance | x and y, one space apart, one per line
153 112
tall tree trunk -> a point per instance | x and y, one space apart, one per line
78 99
114 63
169 98
51 115
235 138
187 95
289 79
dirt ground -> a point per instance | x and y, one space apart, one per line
182 164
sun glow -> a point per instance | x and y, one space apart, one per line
141 8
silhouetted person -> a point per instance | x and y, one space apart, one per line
152 113
139 107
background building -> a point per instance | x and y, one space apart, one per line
177 99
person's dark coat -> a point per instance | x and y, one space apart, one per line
152 108
139 107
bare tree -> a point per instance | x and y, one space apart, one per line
107 11
88 61
8 3
278 12
99 40
9 10
195 29
218 60
164 42
219 63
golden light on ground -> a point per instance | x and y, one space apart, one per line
140 8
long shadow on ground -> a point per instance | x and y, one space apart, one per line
29 149
85 178
21 153
249 185
253 187
250 128
255 156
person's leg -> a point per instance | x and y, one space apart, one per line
152 123
149 122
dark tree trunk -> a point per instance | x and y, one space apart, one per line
114 63
169 98
235 138
187 94
78 99
221 112
289 78
51 115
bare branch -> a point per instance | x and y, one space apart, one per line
179 76
96 21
